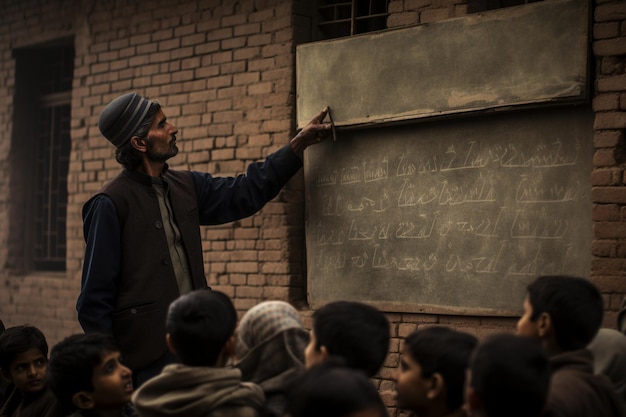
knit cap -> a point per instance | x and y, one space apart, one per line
120 118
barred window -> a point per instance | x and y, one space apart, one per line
345 18
42 145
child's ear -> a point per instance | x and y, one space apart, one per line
437 386
83 400
544 325
324 352
170 346
229 347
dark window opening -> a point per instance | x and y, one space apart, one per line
345 18
41 147
475 6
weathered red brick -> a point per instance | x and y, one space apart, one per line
602 248
610 120
612 83
606 30
610 11
608 195
606 102
603 158
608 138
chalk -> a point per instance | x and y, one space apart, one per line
332 124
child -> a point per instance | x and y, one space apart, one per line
270 350
431 377
330 390
200 328
565 313
508 376
86 375
24 362
609 358
355 332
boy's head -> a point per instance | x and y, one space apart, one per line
24 358
564 312
327 389
200 327
432 369
85 372
355 332
508 376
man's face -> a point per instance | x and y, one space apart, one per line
112 382
161 141
28 371
312 356
525 326
411 387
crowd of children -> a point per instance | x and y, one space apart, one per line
558 364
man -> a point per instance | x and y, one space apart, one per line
143 243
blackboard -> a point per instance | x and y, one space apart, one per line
512 57
450 216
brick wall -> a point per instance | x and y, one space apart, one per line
224 72
609 191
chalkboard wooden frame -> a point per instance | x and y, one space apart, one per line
516 56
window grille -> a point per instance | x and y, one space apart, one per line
52 152
475 6
345 18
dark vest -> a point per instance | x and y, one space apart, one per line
147 284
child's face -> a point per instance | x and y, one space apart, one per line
28 371
525 326
411 387
112 383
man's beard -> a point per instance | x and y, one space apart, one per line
156 156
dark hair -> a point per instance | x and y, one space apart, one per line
356 332
330 390
128 156
199 324
444 351
511 375
19 339
575 307
72 362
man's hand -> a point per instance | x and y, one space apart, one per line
314 132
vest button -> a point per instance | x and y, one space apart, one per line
152 193
158 224
133 311
165 262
